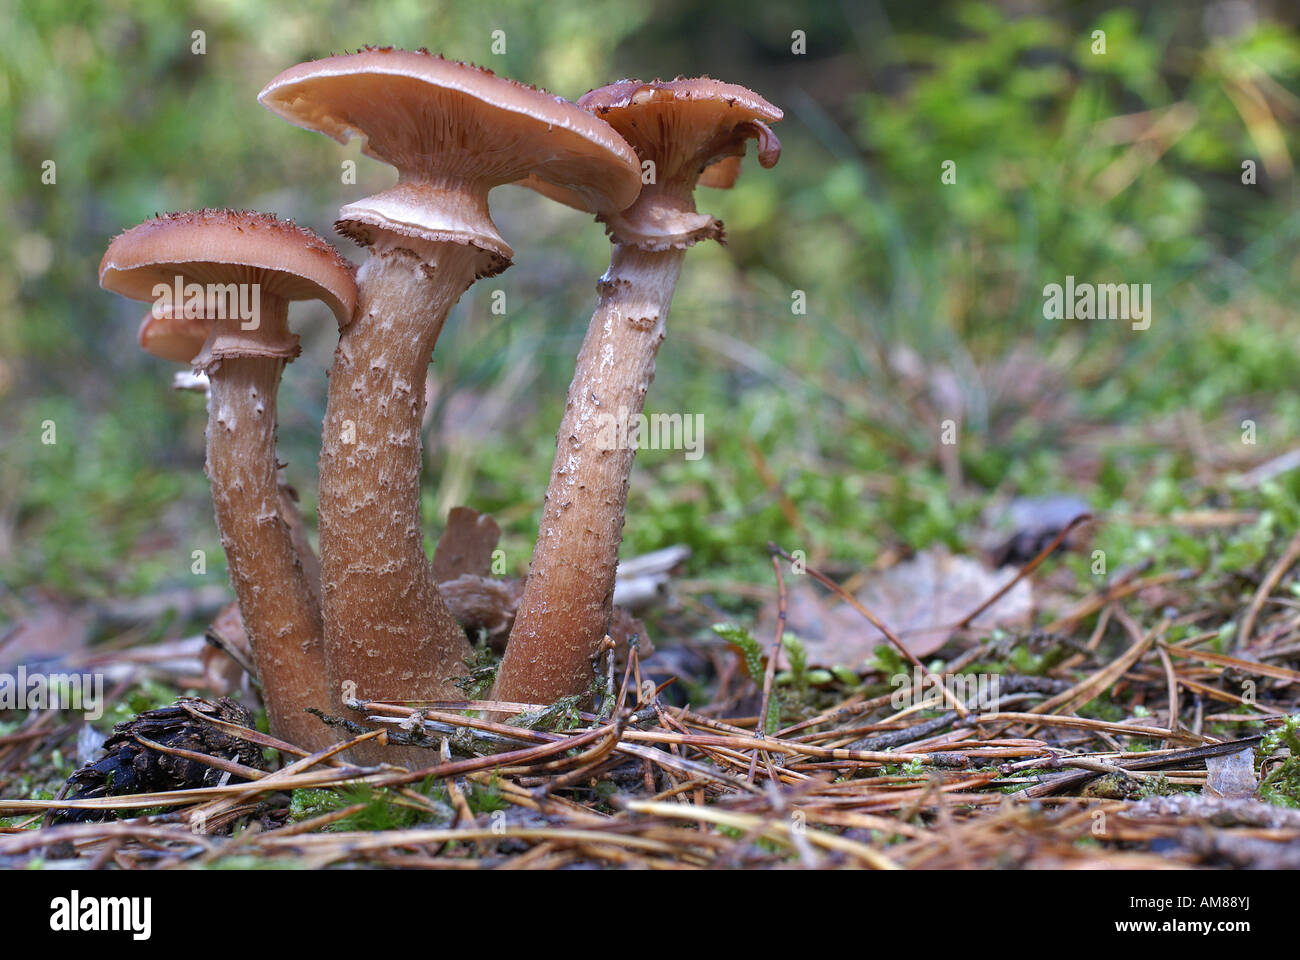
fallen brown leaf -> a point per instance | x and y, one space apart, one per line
921 600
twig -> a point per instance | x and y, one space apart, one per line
875 622
1266 586
1026 570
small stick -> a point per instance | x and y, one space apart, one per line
206 759
770 672
1284 562
852 601
1145 763
1171 682
1236 663
607 699
1026 570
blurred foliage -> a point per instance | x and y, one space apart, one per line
821 429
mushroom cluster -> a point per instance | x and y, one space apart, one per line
367 621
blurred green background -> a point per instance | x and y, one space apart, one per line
822 429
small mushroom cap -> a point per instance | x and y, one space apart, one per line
721 175
441 122
173 336
694 131
228 246
690 105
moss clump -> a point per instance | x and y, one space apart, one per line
486 797
382 809
1282 785
752 651
793 690
482 665
563 714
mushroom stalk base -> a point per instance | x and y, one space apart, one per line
388 633
568 597
279 611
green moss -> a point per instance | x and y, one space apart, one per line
383 808
482 665
753 653
563 714
1282 784
486 797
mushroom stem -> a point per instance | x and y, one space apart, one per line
388 633
279 612
568 597
301 544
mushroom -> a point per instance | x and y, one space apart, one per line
453 131
170 335
240 270
179 338
167 333
686 132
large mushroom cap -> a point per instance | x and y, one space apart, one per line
171 335
228 246
694 131
440 121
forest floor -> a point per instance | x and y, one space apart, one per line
1012 716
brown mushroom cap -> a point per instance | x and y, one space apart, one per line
173 336
694 131
287 261
675 121
721 175
445 124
